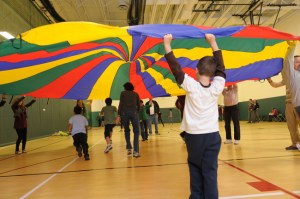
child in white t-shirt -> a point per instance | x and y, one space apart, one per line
200 117
78 125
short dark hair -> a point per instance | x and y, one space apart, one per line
108 101
128 86
77 110
207 66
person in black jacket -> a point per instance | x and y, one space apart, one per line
128 111
153 112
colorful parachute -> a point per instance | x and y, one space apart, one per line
81 60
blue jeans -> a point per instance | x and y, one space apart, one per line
203 151
134 119
153 118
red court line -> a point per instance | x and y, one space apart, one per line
258 178
263 186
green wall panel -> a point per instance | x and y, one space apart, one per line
94 121
266 106
40 123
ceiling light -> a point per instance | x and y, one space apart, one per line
6 35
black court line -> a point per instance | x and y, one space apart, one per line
128 167
89 170
36 164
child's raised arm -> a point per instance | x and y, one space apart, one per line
211 39
174 65
167 42
220 71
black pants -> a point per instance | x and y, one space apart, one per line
232 113
22 136
107 129
80 142
144 129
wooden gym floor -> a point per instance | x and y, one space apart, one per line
259 167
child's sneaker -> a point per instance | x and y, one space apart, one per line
86 157
79 151
24 151
129 153
236 142
228 142
18 152
136 154
108 148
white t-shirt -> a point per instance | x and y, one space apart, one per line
79 123
152 109
201 105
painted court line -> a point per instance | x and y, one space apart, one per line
253 195
296 192
47 180
52 176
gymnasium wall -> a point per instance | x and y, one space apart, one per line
17 16
44 118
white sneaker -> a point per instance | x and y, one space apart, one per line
136 154
228 142
236 142
18 152
298 146
108 148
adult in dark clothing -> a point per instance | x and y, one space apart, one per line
20 123
3 100
256 111
128 111
231 112
153 112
